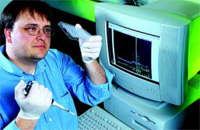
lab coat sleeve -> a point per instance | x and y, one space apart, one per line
11 126
99 93
78 83
81 87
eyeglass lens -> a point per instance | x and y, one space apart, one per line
35 30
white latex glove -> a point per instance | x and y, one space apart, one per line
35 103
90 48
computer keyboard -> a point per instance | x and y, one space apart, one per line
98 119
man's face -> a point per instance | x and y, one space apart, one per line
25 46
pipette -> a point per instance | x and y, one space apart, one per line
27 89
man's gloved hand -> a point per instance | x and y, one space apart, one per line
90 48
35 103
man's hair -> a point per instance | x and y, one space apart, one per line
15 8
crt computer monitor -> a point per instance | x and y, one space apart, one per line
148 48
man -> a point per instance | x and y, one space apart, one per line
26 56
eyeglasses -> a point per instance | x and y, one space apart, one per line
34 30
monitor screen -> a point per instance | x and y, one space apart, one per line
132 52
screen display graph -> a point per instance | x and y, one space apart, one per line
129 52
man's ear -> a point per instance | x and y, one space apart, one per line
7 33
